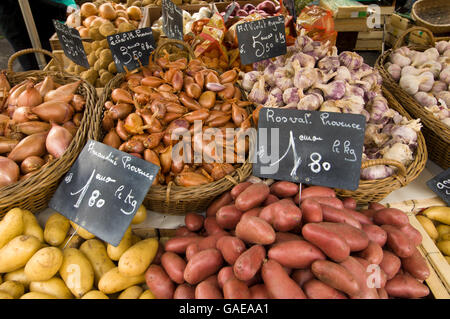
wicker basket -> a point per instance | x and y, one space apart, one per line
375 190
432 14
178 200
437 135
35 192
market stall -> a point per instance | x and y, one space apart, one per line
228 150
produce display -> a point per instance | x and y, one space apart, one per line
436 222
38 122
38 263
425 76
313 76
167 97
256 242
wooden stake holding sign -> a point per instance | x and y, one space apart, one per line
440 184
71 43
261 39
103 190
131 49
316 148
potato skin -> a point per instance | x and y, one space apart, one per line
390 216
283 189
140 216
416 265
193 221
94 294
113 281
390 264
228 216
255 230
184 291
11 226
413 234
147 295
136 259
206 290
406 286
37 295
317 191
398 241
259 291
311 211
16 253
336 276
44 264
231 248
361 274
202 265
252 196
13 288
283 215
301 276
334 215
295 254
238 189
54 286
81 231
249 262
77 272
356 239
132 292
95 251
222 200
179 244
174 266
373 253
278 283
19 276
31 225
375 234
235 289
56 228
115 252
315 289
159 282
331 244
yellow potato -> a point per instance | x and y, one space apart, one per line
31 225
438 213
147 295
77 272
19 276
444 247
113 281
95 251
56 228
448 259
4 295
140 215
75 242
13 288
136 259
37 295
53 287
44 264
132 292
115 252
95 294
429 227
443 229
81 231
15 254
11 226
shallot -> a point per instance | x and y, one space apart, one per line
58 140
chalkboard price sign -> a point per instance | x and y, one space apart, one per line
71 43
311 147
103 190
130 48
261 39
172 20
440 184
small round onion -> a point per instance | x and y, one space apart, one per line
9 171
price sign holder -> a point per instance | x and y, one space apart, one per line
71 43
172 20
440 184
311 147
290 6
229 11
103 190
261 39
131 49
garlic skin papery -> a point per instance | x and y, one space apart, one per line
399 152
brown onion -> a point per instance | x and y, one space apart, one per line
63 93
121 131
238 114
133 124
120 111
71 127
177 81
7 144
58 140
228 92
78 102
9 171
193 90
4 83
152 81
46 86
207 99
77 119
132 146
121 96
24 114
112 139
165 157
107 122
31 164
88 9
107 11
15 93
29 146
152 157
54 111
134 13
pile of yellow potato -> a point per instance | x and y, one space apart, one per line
436 222
49 263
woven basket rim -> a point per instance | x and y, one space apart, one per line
37 182
422 5
418 111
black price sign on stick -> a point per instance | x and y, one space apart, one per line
71 43
290 6
440 184
129 49
172 20
229 12
316 148
103 190
261 39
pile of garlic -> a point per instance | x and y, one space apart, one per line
426 76
313 76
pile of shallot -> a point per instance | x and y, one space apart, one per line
313 76
426 76
153 110
38 120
